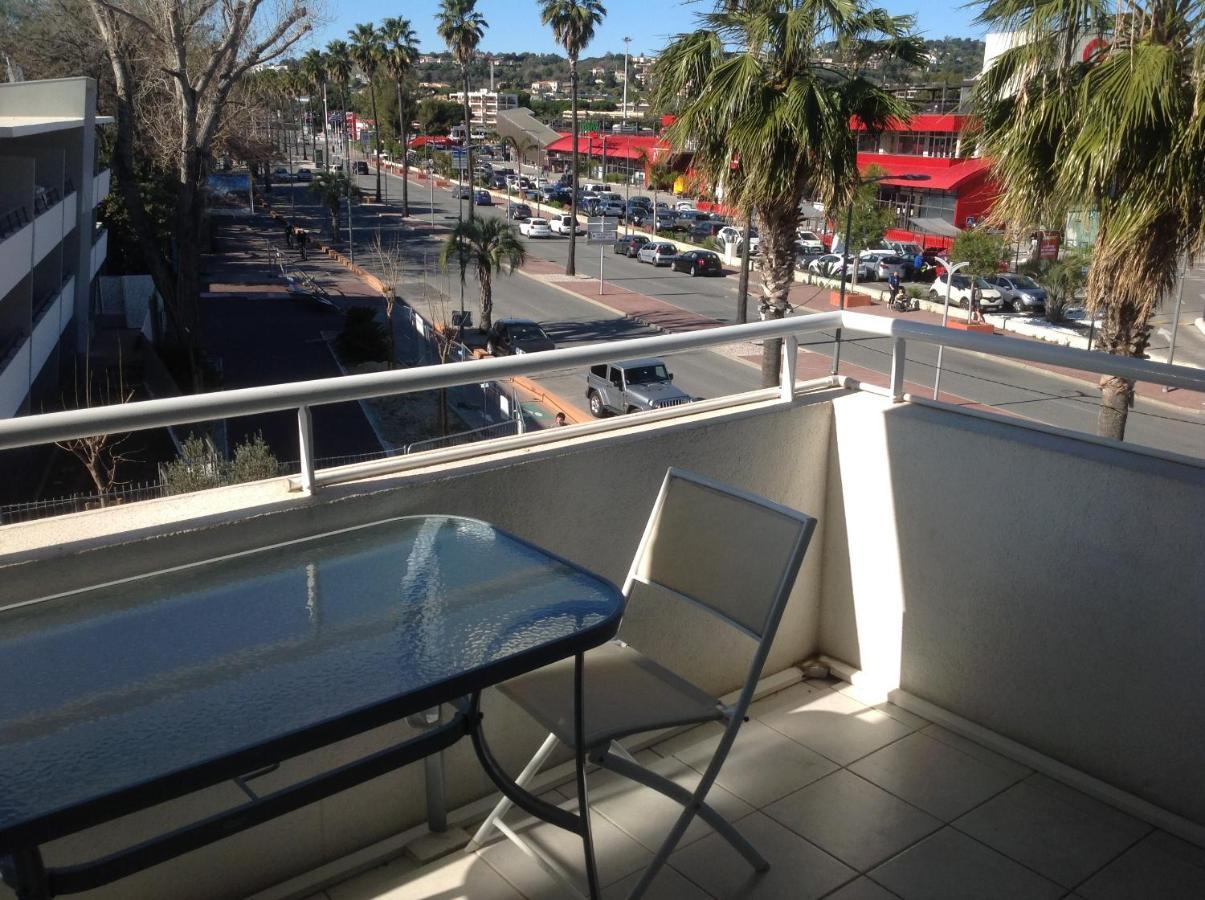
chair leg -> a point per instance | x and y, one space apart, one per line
529 772
638 773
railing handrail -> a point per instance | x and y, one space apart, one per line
301 395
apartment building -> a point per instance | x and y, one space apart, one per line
50 246
484 105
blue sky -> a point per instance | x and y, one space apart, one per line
514 25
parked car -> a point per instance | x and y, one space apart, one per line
305 175
631 386
701 231
1020 292
482 198
359 167
641 201
518 211
514 336
659 253
462 191
684 205
533 194
629 245
563 224
498 182
960 292
686 219
733 237
535 228
612 211
280 173
891 265
827 264
808 242
698 262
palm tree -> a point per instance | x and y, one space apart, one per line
313 67
331 189
339 66
572 24
487 245
1116 130
462 28
367 49
770 120
401 53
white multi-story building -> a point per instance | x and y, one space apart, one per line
50 246
484 105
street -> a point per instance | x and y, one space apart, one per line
1005 386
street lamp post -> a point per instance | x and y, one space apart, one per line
626 43
849 224
945 317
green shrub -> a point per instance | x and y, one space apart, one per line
253 461
913 292
615 178
363 338
200 466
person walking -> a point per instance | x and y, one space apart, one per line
303 238
288 233
893 284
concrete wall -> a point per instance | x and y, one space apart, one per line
587 499
1047 588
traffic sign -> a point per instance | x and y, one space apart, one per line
601 230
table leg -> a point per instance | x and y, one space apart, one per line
25 873
579 735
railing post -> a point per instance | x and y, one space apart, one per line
305 446
897 370
790 354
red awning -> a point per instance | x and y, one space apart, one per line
949 122
616 146
944 174
434 141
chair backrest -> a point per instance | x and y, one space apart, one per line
729 551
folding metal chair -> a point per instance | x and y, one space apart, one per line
735 555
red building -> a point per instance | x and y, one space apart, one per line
958 192
618 154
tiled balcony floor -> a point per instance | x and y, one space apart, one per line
848 802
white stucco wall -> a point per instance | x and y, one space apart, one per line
586 499
1047 588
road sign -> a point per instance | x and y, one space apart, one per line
601 230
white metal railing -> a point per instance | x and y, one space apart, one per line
303 395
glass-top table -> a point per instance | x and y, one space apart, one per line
125 695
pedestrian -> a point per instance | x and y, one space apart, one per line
893 284
288 233
560 419
918 263
303 238
976 313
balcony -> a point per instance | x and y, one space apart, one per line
1019 699
100 185
100 250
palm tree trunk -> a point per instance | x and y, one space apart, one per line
570 265
487 297
376 127
742 290
401 116
468 140
326 141
1116 397
777 274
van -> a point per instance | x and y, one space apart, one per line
594 188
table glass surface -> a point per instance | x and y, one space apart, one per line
108 688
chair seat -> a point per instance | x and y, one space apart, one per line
625 693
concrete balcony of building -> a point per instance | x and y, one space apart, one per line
101 182
16 246
1015 706
100 250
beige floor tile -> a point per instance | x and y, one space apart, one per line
647 815
1158 866
668 885
460 877
762 765
928 773
798 870
858 823
837 726
790 698
978 751
861 889
951 866
1062 840
617 855
696 735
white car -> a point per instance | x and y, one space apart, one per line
825 265
960 292
535 228
734 237
659 253
684 205
809 242
562 224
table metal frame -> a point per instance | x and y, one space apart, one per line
22 867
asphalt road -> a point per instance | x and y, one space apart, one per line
1033 393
